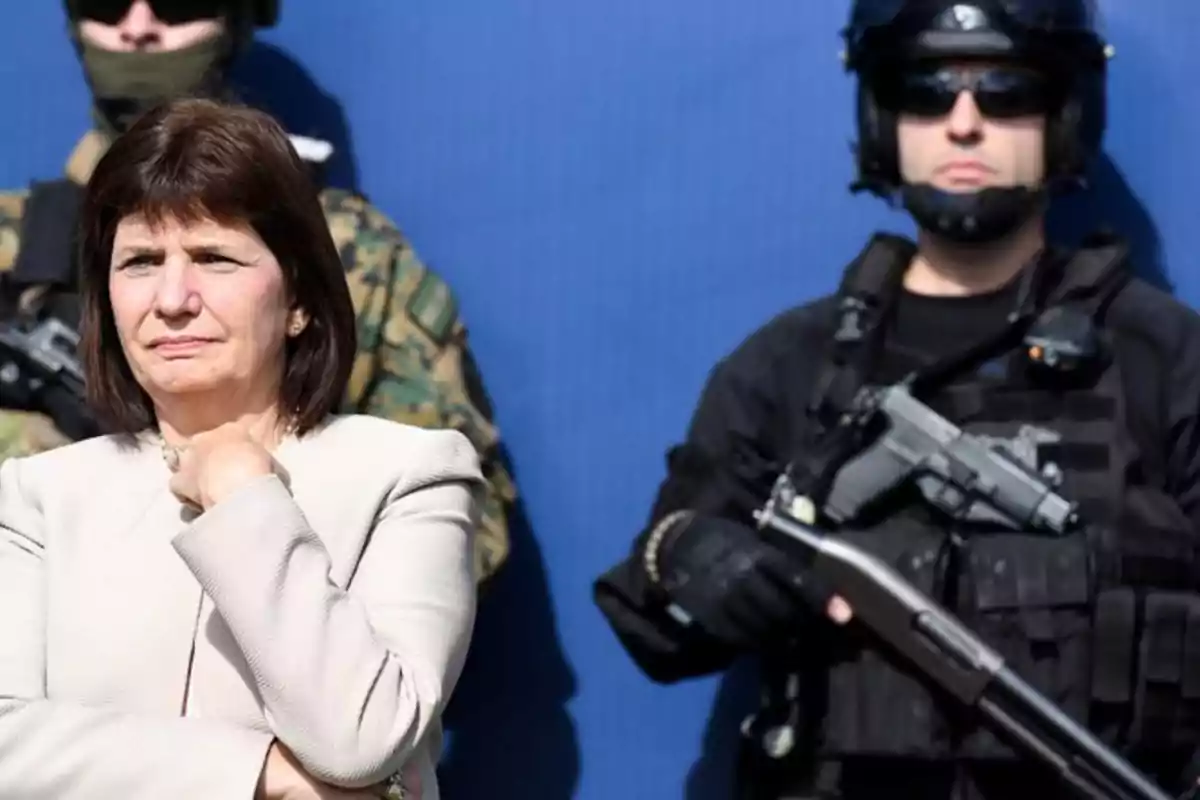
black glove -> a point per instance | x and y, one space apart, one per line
1190 789
736 587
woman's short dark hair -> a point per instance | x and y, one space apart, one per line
196 159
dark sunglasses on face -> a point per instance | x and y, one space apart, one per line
172 12
999 92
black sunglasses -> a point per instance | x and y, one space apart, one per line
172 12
999 92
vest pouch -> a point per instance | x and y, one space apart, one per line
878 707
1114 661
1166 694
1030 598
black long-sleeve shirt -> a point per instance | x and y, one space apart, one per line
748 419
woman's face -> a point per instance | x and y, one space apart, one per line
202 311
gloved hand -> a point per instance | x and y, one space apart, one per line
1191 778
735 586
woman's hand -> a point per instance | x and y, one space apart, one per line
217 463
284 779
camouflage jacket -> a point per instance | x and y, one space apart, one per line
413 365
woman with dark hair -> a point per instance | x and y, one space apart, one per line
237 593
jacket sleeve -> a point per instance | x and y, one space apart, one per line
449 395
415 363
353 680
725 467
67 751
1183 419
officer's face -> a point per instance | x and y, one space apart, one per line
124 26
965 128
201 310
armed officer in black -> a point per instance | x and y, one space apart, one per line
973 114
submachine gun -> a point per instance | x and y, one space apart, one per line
39 371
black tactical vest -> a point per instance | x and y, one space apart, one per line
47 254
1104 622
40 369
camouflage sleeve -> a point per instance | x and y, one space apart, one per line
414 364
21 433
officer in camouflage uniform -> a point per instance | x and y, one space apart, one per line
413 366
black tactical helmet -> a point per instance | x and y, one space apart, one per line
1058 37
259 13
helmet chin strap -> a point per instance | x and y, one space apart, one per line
974 217
985 216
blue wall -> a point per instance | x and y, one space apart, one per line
619 191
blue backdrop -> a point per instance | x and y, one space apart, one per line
619 192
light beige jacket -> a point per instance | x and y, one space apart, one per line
150 654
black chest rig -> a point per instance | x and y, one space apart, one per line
40 313
1103 621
